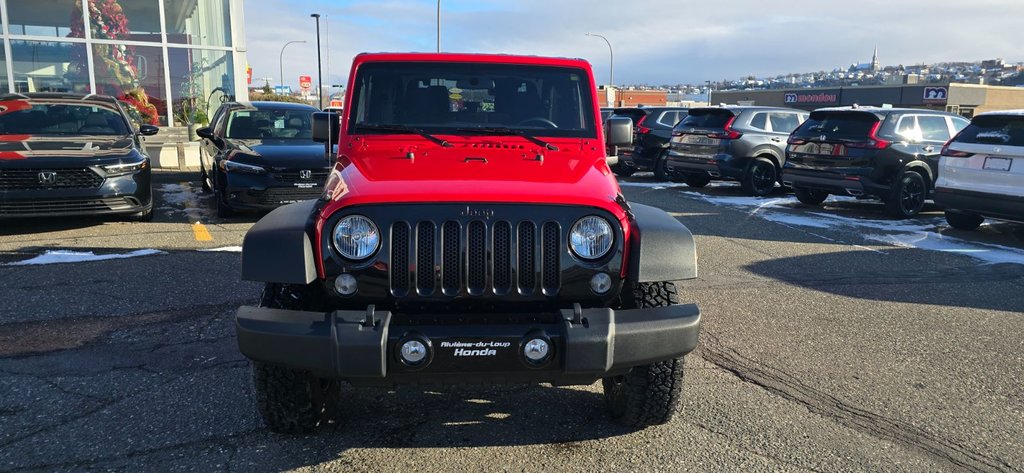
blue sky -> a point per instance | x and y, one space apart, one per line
655 41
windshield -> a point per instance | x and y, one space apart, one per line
451 97
271 123
60 119
994 130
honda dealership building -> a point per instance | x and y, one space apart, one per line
170 61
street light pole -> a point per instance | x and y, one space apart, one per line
438 25
280 61
611 59
319 68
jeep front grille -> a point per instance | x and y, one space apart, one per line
475 258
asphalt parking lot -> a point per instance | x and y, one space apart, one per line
834 339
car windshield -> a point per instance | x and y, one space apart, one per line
21 117
455 97
994 130
840 125
271 123
705 118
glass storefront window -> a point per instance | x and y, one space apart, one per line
199 78
135 20
134 74
3 70
49 66
58 18
198 22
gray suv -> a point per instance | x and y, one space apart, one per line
742 143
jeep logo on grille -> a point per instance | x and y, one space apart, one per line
486 214
47 177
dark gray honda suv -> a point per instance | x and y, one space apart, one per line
742 143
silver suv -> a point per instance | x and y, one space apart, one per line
742 143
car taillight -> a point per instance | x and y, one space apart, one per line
727 132
873 142
952 153
796 141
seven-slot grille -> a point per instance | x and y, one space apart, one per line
293 176
476 257
63 178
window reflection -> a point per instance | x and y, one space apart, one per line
199 78
200 22
134 74
47 66
58 19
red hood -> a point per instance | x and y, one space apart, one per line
480 170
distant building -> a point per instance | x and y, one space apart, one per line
614 97
964 99
873 66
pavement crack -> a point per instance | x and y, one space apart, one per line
822 403
741 446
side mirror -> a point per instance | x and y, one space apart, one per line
205 132
618 131
148 130
326 127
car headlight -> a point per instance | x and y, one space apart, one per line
125 168
231 166
356 237
591 237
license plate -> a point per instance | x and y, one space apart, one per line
700 140
998 164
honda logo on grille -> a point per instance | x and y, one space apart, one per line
305 174
47 177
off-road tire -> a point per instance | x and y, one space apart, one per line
623 170
649 394
908 195
697 180
292 401
810 196
659 166
964 221
760 178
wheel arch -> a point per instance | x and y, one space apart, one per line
661 248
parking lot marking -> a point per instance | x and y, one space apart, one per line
201 233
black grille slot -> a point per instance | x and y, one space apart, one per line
62 178
285 195
425 278
502 257
451 269
400 259
551 255
476 249
527 270
69 206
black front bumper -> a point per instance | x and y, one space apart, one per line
119 195
585 345
249 192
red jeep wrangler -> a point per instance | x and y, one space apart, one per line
471 232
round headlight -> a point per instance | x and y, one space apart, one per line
356 237
591 237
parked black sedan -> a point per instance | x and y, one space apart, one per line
261 155
68 155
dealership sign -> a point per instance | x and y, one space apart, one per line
937 95
821 97
305 83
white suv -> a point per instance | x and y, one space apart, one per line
981 172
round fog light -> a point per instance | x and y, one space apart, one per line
414 352
345 284
536 350
601 283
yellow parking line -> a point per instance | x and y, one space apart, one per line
201 233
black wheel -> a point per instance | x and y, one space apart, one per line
964 221
623 170
697 180
760 178
649 394
659 166
810 196
292 401
907 198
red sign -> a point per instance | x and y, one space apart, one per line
248 75
305 83
337 103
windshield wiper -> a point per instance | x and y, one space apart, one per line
502 130
406 129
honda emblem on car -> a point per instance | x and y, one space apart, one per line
305 174
48 177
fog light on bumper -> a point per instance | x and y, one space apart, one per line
346 285
413 352
601 283
536 350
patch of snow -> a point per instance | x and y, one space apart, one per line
185 199
67 256
224 249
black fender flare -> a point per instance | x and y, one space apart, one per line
767 150
921 167
661 247
279 249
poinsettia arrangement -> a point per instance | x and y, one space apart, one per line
108 21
